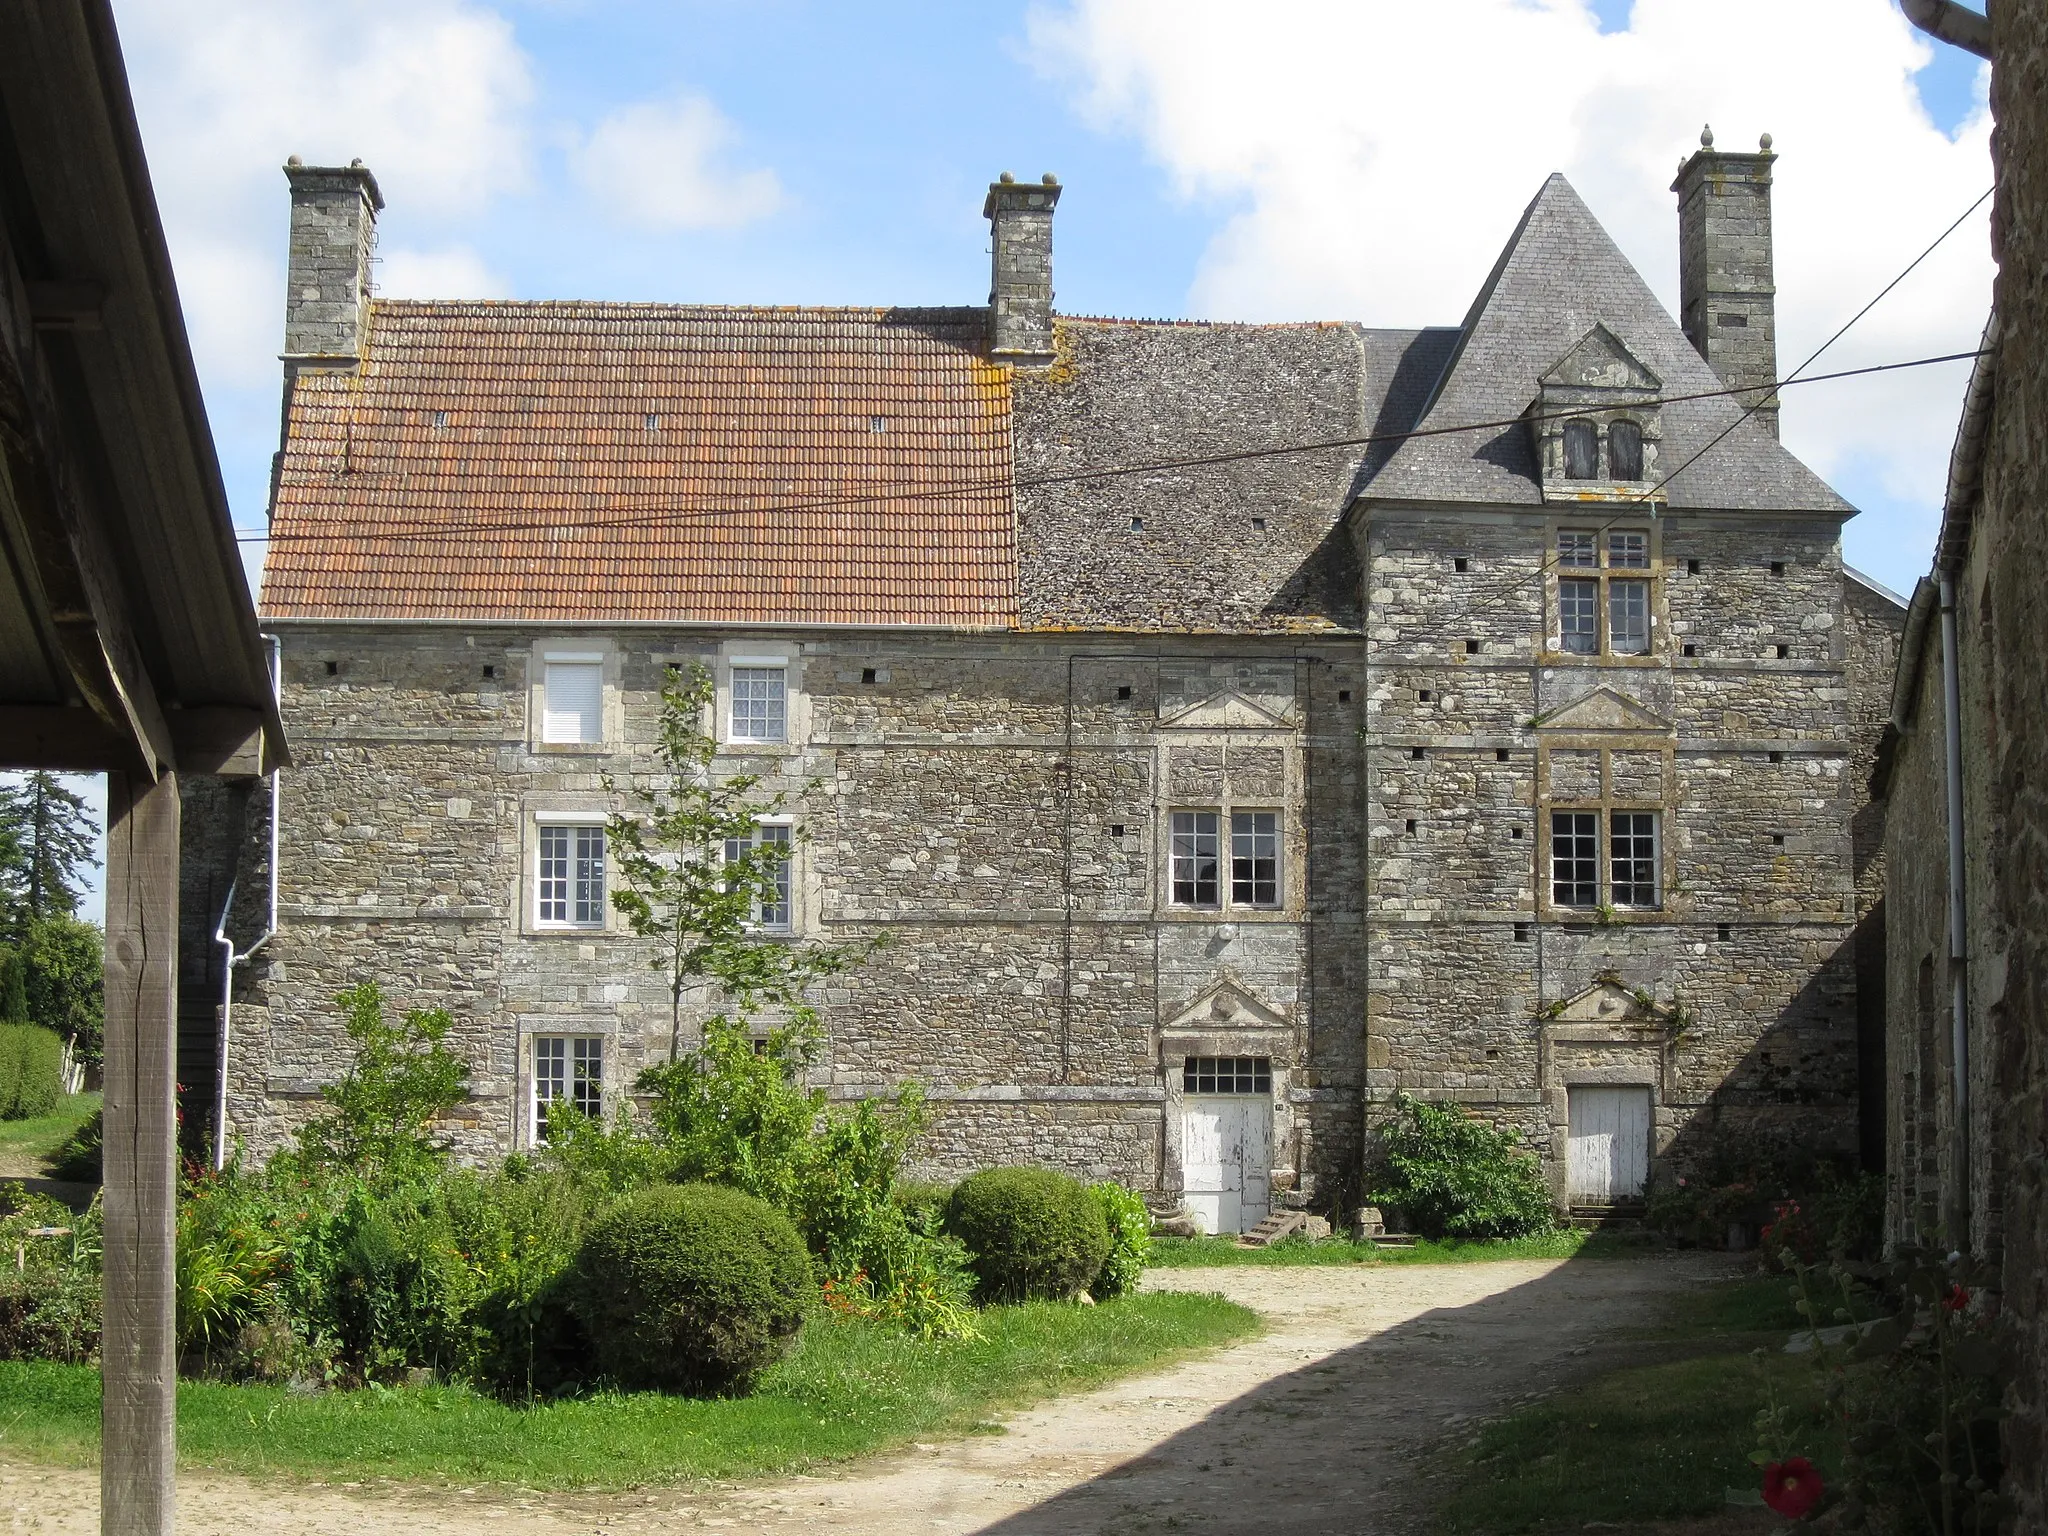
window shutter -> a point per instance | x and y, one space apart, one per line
575 701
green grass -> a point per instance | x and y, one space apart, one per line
1218 1252
25 1143
1663 1440
849 1389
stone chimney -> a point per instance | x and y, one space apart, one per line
327 282
1727 300
1020 291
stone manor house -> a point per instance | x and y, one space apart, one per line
1228 725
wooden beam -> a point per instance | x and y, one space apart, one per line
215 738
138 1342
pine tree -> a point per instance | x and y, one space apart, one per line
46 844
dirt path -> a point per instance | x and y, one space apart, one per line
1309 1429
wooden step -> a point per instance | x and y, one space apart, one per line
1273 1228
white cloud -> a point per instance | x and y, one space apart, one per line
1378 154
658 164
431 94
455 273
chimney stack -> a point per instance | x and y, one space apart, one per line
327 282
1020 291
1727 300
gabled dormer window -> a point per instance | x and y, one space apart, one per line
1596 423
1625 450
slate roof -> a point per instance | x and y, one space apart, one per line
554 461
1559 276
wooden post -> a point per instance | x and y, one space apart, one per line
138 1371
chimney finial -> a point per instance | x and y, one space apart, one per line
1764 143
1707 137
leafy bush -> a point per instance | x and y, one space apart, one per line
518 1233
923 1205
79 1159
31 1072
400 1078
50 1305
1130 1241
229 1267
62 961
1030 1233
691 1288
1453 1176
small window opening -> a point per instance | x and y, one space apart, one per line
440 419
1515 833
1777 839
1784 651
1471 647
1500 754
1692 650
1521 937
867 674
1137 525
1343 695
1423 694
1493 1055
1227 1074
1116 829
1724 933
653 421
1415 753
333 668
1411 823
1123 690
490 671
1692 567
1461 564
1581 449
1777 567
1777 757
760 1045
1258 525
878 423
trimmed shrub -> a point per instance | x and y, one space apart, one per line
923 1205
31 1072
1453 1176
1130 1241
1030 1233
691 1288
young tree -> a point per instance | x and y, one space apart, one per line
695 873
401 1078
46 845
62 961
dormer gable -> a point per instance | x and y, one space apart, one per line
1609 1001
1598 424
1229 1005
1225 711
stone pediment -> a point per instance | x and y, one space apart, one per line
1607 1001
1604 709
1227 1005
1226 711
1600 361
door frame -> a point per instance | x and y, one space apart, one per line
1607 1035
1228 1020
1649 1133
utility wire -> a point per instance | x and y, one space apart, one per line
538 524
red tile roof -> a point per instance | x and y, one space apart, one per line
559 461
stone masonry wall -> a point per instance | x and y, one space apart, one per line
1031 960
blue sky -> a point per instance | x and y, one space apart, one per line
1349 159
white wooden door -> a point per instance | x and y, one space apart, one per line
1226 1155
1609 1157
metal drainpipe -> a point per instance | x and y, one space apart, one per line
229 957
1958 913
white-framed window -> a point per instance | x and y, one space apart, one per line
777 913
569 874
1255 858
760 701
1195 859
1192 861
568 1068
1631 862
1227 1074
572 699
1604 592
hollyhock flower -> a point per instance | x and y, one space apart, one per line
1792 1486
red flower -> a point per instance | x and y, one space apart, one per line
1956 1299
1792 1486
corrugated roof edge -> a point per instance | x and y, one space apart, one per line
959 312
